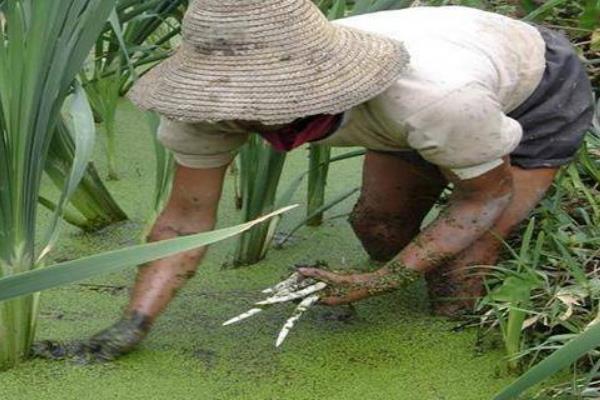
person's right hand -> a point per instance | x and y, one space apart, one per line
105 346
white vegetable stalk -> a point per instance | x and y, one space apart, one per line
243 316
286 285
294 295
293 288
300 310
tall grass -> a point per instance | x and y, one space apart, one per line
551 284
318 167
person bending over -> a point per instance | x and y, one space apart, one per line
438 96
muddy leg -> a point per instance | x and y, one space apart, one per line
454 287
397 193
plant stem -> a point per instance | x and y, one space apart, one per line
319 157
516 317
17 319
260 172
111 149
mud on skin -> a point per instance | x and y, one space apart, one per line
397 275
379 234
105 346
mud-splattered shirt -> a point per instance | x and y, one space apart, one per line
468 70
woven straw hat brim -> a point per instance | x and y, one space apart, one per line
351 68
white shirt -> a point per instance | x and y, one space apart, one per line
468 69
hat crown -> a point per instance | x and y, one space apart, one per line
233 27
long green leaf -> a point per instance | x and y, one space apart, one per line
73 271
92 199
322 209
81 123
338 10
116 26
542 10
562 358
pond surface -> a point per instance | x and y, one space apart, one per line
388 348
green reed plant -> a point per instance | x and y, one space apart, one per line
95 208
104 97
260 169
151 30
318 166
42 47
165 169
139 35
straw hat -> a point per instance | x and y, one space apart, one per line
271 61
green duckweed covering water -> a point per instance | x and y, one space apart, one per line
391 348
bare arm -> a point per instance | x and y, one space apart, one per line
474 207
192 208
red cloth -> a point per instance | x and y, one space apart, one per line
302 131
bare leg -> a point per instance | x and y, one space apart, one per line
191 209
454 287
397 193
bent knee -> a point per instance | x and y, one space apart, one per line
382 235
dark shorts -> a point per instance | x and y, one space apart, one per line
556 117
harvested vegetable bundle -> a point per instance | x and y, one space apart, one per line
295 287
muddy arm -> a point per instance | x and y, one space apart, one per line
474 207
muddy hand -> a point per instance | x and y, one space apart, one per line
107 345
342 289
350 288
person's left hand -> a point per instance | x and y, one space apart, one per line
347 288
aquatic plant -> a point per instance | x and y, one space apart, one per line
318 167
165 168
42 47
95 207
139 35
260 169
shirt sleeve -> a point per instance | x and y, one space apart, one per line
465 132
201 145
